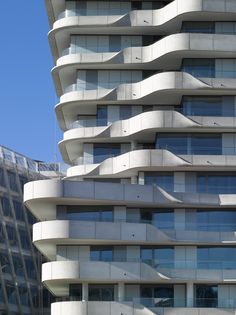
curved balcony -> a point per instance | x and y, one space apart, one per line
164 20
76 271
136 308
47 235
42 196
168 51
161 88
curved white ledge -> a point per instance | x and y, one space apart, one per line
53 273
106 308
37 194
161 88
129 308
129 164
168 51
165 20
48 234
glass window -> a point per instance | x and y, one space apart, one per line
206 295
34 291
162 219
199 67
5 261
177 143
158 257
12 236
198 27
18 265
101 292
23 181
206 144
215 257
6 207
164 180
12 181
24 238
2 180
213 220
75 291
24 295
216 183
19 210
101 253
208 106
125 112
11 292
90 213
31 272
103 151
157 295
101 115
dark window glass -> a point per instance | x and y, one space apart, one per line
208 106
175 143
157 295
162 219
206 144
19 210
18 265
2 180
24 295
159 257
104 151
103 292
125 112
206 295
216 183
11 292
6 207
24 238
12 181
5 261
199 67
164 180
34 290
198 27
90 213
12 236
216 257
75 291
101 115
23 181
31 272
31 218
216 220
101 253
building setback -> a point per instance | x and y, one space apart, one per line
145 221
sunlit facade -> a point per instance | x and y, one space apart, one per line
144 222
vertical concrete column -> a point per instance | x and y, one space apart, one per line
84 291
190 294
141 178
121 291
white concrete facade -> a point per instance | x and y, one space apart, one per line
145 221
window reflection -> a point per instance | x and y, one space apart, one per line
101 292
164 180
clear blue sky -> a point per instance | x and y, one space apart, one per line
27 92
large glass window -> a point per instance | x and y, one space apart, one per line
101 292
6 207
216 183
206 295
164 180
24 238
12 181
5 261
199 67
216 257
215 220
208 106
162 219
101 253
31 272
103 151
206 144
11 292
12 236
158 257
2 180
101 115
19 210
18 265
161 295
75 291
90 213
198 27
24 295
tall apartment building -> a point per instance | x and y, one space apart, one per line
21 292
145 221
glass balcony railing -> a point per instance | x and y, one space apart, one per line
165 302
93 122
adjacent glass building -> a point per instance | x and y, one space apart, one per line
21 291
144 222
